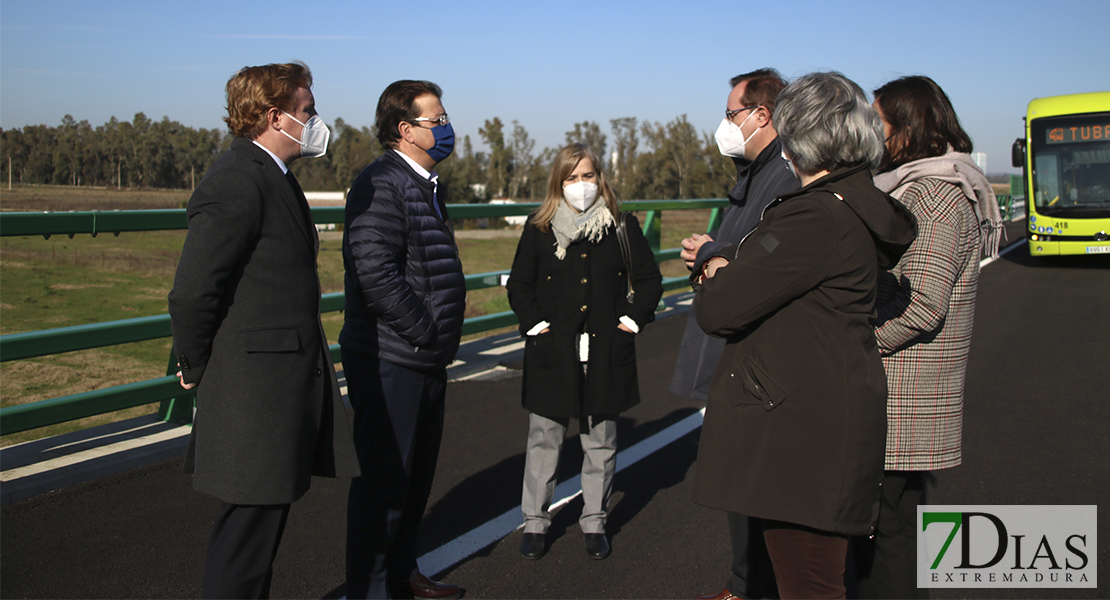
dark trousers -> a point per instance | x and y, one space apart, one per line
398 428
886 565
752 573
809 563
241 550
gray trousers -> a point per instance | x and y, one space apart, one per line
599 463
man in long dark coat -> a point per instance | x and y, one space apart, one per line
749 138
245 314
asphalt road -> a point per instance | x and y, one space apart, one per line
1035 433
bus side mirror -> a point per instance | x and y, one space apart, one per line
1017 153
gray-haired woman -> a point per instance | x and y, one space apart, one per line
795 426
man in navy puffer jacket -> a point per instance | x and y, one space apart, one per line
405 298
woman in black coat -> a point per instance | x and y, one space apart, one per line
795 427
569 287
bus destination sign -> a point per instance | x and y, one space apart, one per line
1078 133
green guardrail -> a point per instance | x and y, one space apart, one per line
176 405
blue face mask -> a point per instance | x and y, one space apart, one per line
445 142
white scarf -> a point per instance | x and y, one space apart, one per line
570 226
958 169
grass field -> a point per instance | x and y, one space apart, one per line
60 282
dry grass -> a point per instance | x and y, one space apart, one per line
61 282
62 197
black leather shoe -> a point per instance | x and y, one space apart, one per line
533 546
597 547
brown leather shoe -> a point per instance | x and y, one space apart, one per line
420 586
721 595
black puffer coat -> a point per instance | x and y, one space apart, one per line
584 292
405 291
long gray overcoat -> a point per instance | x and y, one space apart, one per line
245 315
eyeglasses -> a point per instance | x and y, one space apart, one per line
441 120
729 114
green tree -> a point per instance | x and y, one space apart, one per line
588 133
500 157
67 152
40 141
522 162
351 150
14 149
623 175
721 171
676 161
466 180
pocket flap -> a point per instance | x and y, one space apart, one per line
760 385
271 339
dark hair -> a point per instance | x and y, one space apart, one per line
253 91
397 105
921 119
764 86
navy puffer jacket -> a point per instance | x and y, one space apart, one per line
405 291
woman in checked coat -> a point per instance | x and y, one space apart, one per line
569 289
925 309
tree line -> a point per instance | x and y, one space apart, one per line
646 160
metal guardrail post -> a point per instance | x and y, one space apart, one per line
178 409
715 219
653 229
1006 206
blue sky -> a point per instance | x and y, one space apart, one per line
547 65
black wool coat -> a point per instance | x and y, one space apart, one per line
245 316
758 182
795 427
584 292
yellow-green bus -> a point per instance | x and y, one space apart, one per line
1065 161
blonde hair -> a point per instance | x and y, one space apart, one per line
565 162
253 91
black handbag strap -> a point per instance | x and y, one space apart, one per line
626 253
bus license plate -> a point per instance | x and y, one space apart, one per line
1098 249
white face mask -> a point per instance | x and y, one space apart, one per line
789 163
580 195
730 138
314 136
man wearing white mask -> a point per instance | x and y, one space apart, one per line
748 136
245 317
405 298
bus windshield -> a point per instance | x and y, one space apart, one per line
1071 165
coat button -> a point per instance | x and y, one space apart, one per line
583 309
584 255
584 280
317 372
549 278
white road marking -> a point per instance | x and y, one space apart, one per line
464 546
